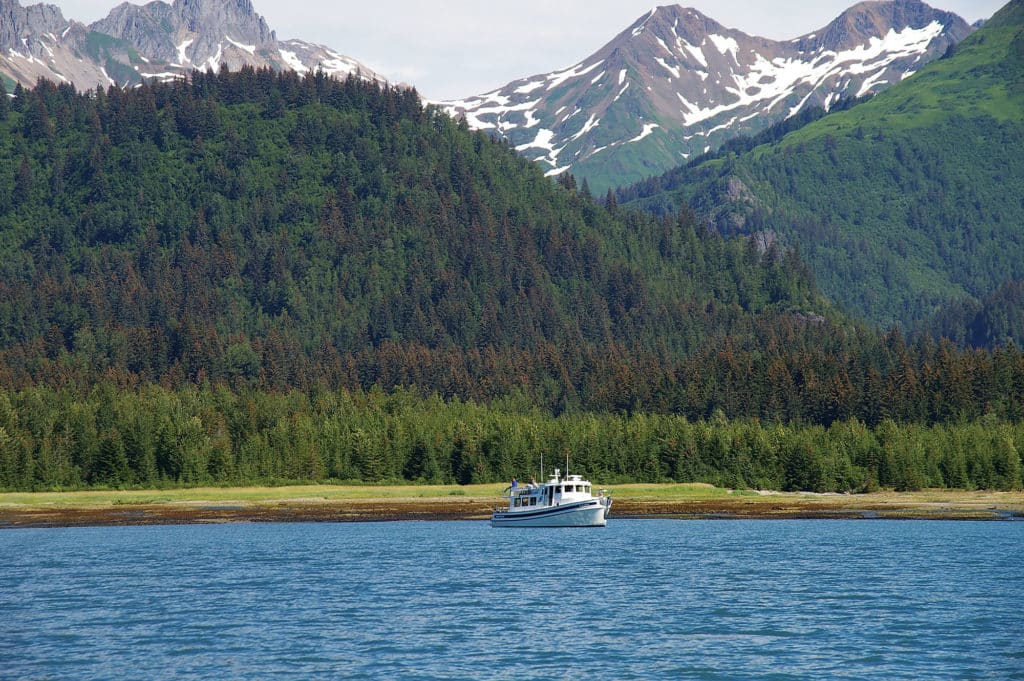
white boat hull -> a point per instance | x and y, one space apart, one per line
591 513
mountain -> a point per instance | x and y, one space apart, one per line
676 84
903 204
156 40
34 39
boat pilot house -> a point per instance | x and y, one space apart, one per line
560 502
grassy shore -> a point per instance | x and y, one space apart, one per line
334 503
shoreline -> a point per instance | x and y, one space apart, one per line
644 504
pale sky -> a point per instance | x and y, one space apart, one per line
457 48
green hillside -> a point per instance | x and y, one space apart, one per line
255 276
271 230
901 204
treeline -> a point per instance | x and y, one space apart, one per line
786 369
155 437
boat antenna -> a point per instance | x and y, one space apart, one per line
542 466
567 464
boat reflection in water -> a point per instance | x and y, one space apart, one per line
559 502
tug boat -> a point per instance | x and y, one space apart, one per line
560 502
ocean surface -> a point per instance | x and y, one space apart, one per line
639 599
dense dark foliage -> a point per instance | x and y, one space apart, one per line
996 320
198 280
261 228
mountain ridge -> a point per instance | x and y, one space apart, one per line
140 26
903 204
154 41
676 83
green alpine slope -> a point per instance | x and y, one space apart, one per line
902 204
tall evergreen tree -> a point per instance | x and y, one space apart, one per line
5 105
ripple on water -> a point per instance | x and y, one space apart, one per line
636 600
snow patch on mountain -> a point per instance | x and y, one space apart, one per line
703 83
157 40
725 45
643 23
292 60
182 55
591 123
556 79
251 49
693 51
529 87
674 70
648 129
214 61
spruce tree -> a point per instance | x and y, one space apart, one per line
5 106
23 181
18 101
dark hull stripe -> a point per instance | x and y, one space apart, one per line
544 513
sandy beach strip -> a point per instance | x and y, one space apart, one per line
369 504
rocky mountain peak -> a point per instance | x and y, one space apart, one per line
212 17
676 83
874 19
685 22
191 32
142 26
153 41
19 26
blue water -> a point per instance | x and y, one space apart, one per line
639 599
